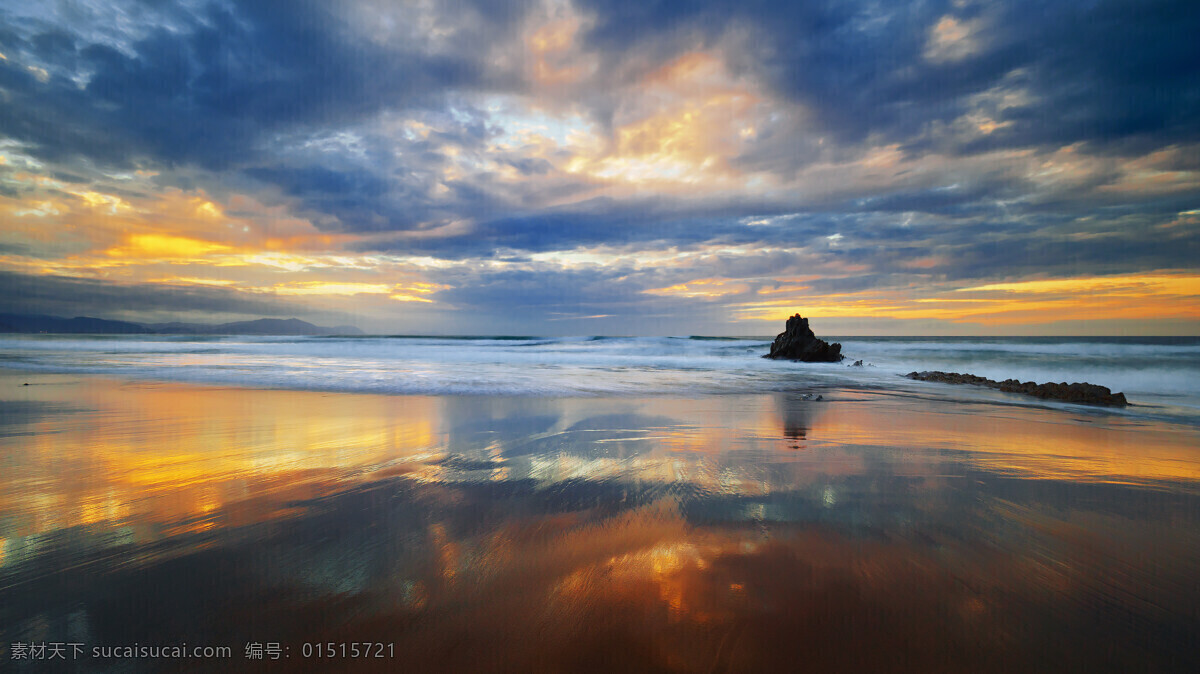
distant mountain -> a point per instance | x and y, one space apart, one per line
262 326
33 323
77 325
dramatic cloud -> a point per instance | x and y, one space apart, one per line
603 165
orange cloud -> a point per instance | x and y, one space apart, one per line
1139 285
554 58
415 291
165 246
689 119
952 40
191 280
705 287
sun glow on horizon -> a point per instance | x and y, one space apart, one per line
1159 295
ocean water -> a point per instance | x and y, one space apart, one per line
1161 376
581 504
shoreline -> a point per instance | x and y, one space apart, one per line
824 379
861 417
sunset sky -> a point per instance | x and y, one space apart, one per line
605 167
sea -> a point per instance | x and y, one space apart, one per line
1159 375
594 504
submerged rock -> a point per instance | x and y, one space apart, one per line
797 342
1091 394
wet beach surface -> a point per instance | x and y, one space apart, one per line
871 531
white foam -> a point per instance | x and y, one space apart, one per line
608 366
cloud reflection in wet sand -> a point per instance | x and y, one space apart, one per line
731 533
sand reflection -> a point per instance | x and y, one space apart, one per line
725 533
472 578
159 460
644 589
1020 440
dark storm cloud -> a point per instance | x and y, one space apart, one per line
646 223
1114 75
962 233
70 296
978 249
350 198
541 290
991 247
516 298
211 89
1104 72
1134 248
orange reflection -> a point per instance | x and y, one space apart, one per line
174 457
646 591
584 560
1031 443
166 459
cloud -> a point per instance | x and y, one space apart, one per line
574 156
214 84
1100 72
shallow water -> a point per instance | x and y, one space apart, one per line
876 529
1162 375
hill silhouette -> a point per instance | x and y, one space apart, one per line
38 323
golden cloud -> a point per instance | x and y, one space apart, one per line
165 246
702 288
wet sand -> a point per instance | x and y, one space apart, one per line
870 531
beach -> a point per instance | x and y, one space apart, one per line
599 336
610 523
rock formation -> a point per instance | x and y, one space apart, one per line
797 342
1072 393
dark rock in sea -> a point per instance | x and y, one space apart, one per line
797 342
1091 394
857 363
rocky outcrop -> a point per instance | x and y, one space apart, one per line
1073 393
797 342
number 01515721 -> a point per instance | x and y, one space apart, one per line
351 649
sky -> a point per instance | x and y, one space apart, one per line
572 167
